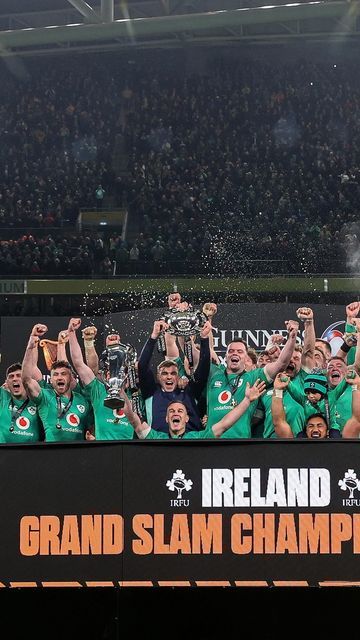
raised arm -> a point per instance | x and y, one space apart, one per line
139 427
63 339
147 380
251 394
38 331
282 427
29 365
349 341
357 352
352 426
273 368
210 310
203 369
307 358
91 357
172 350
85 374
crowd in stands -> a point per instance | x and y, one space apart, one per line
250 161
69 254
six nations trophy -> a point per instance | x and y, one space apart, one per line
186 323
117 367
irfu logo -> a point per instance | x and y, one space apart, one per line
179 483
350 482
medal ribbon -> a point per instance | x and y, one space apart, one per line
61 411
233 385
16 412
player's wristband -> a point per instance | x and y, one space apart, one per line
345 347
354 387
88 343
278 393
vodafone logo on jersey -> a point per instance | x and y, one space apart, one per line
119 413
73 420
22 423
224 397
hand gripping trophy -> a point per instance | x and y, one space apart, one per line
117 369
182 320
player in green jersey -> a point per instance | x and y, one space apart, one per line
314 405
19 417
177 418
64 413
110 424
352 426
339 391
227 384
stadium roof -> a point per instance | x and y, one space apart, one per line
80 25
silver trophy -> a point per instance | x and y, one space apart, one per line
117 366
185 323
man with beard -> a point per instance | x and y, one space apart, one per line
339 392
316 425
227 384
19 422
293 411
65 414
325 348
110 424
299 365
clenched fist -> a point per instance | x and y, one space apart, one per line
111 339
89 333
74 324
173 300
291 326
63 337
352 309
209 309
39 330
305 313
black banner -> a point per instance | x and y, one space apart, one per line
250 513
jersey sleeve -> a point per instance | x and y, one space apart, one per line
296 394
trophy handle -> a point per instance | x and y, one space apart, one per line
189 355
161 344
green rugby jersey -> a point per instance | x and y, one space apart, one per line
223 391
110 424
188 435
20 421
294 414
73 420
